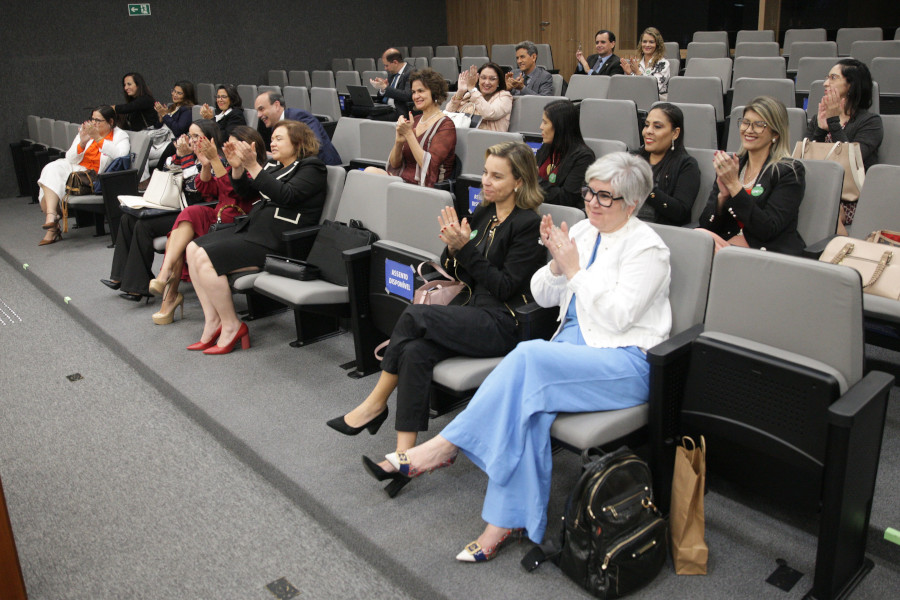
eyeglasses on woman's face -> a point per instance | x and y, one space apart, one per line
603 198
745 124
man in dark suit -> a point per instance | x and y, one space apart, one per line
532 80
270 109
605 62
396 89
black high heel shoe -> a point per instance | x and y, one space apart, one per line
134 297
113 285
340 425
398 480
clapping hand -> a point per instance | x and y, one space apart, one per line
515 83
161 109
229 149
471 77
834 104
727 174
379 83
561 248
183 145
454 233
404 127
462 83
206 151
206 112
83 135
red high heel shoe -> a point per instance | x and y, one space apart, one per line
205 345
243 334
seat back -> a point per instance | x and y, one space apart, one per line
704 158
261 89
886 71
690 262
447 52
376 138
562 214
61 139
251 117
426 51
33 122
73 130
412 215
718 37
473 50
588 86
753 35
447 67
341 64
802 35
346 138
323 79
344 78
812 68
770 49
335 187
364 198
889 151
504 54
698 90
711 67
777 296
706 50
604 147
248 94
820 206
299 78
643 91
610 120
673 50
195 112
558 84
206 94
801 49
418 62
403 50
477 143
877 206
545 56
296 96
867 51
364 64
477 60
278 77
527 112
140 147
748 88
699 125
767 67
324 102
846 36
45 131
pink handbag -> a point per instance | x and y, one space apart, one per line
438 291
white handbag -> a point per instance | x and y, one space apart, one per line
164 192
873 260
846 154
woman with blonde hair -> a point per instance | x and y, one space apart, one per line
756 198
650 60
494 253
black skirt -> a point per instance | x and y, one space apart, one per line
229 251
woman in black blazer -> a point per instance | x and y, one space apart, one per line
229 111
563 157
676 174
292 190
756 198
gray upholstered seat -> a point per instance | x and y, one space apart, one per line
346 138
587 86
748 88
344 78
704 158
610 120
699 125
698 90
477 142
278 77
643 91
504 54
527 112
889 152
768 67
847 36
296 96
299 78
341 64
248 93
821 200
323 102
604 147
720 67
323 79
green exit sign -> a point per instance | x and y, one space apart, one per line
139 10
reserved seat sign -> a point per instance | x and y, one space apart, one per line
398 279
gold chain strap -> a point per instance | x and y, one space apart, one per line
882 265
847 249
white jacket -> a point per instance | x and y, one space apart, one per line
622 299
120 145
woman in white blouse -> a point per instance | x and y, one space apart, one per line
652 50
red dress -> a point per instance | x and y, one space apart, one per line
439 144
201 217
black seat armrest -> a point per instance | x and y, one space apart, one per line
113 185
816 249
299 241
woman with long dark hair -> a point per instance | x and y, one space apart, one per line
676 174
563 157
137 112
484 93
176 116
229 112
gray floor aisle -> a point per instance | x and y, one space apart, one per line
114 493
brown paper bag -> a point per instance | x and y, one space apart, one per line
686 520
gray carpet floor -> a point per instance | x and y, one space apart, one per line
168 474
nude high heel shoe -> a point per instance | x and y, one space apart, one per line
158 286
164 318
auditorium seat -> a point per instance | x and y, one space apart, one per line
587 86
610 120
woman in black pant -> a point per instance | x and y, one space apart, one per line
494 253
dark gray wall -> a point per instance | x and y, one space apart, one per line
59 57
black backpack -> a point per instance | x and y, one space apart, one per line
613 539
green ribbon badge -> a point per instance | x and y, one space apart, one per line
473 234
757 190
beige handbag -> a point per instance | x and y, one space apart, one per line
872 260
846 154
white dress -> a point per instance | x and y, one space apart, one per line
55 174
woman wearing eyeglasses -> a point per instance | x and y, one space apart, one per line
484 93
229 112
756 198
177 115
610 279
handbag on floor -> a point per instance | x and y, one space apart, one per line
846 154
874 261
613 540
686 518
